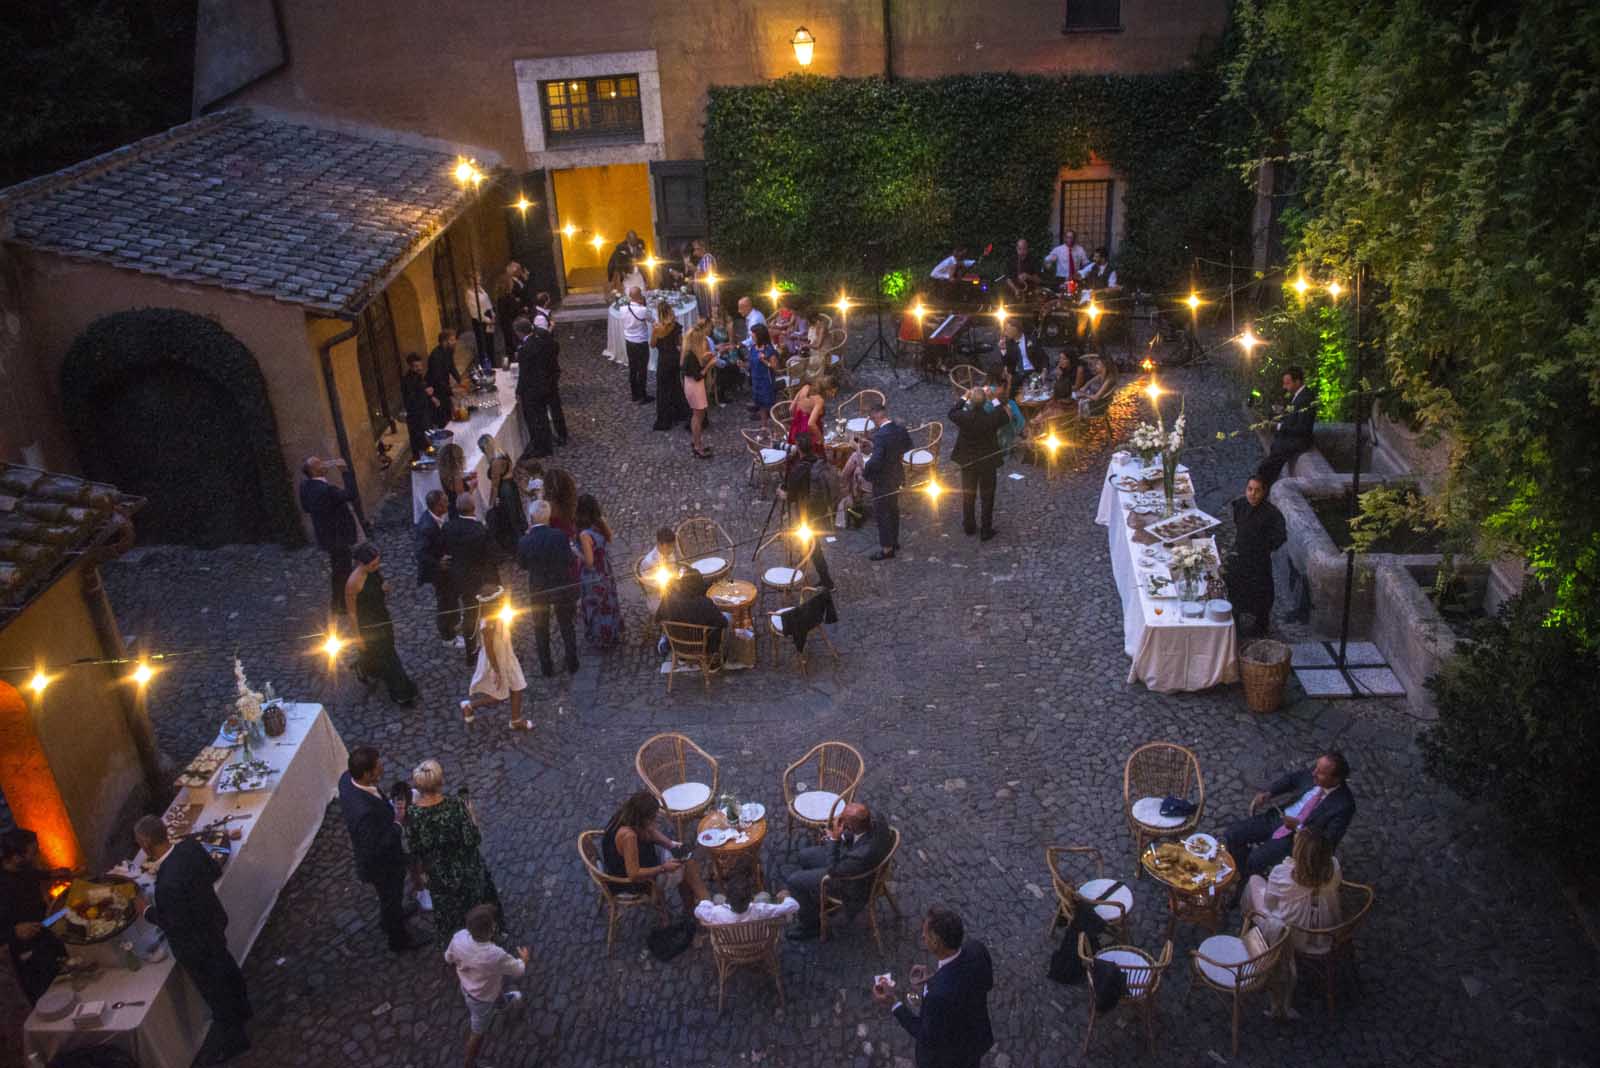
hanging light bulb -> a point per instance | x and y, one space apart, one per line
662 576
38 683
1248 340
1052 443
843 304
933 489
507 613
143 674
1153 390
569 230
1093 310
804 533
1001 315
1193 301
1301 285
597 241
464 171
774 294
919 311
522 204
333 645
1334 289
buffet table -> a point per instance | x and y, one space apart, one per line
1170 653
504 424
616 349
277 826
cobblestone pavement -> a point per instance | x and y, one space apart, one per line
985 686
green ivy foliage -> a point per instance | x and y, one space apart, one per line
1315 336
804 170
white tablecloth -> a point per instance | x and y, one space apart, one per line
504 424
167 1030
1169 653
683 307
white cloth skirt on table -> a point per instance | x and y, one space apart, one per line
511 677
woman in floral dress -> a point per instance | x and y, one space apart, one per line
443 834
602 616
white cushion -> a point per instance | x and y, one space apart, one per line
816 805
777 622
781 576
1224 949
709 565
773 456
1122 958
685 796
1095 887
1147 810
857 425
918 456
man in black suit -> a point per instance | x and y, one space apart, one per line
433 565
196 925
442 371
546 555
1018 358
978 419
1318 797
854 845
952 1030
418 398
380 855
1292 434
885 469
333 522
470 549
539 386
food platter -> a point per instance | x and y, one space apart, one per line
96 910
1159 587
1185 524
198 772
245 776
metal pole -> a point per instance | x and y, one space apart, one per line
1355 489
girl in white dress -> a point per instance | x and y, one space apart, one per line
498 675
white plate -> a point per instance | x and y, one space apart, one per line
712 837
1168 590
1201 845
751 811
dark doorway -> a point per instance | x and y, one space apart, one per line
528 231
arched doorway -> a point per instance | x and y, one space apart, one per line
171 406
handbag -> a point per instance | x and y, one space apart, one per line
1177 806
670 941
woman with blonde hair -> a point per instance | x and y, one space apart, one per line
1302 890
805 416
443 832
697 363
454 478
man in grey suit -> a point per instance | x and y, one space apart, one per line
854 845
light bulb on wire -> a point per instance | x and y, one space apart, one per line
38 683
933 489
333 645
142 674
1193 301
1334 289
1301 285
1248 341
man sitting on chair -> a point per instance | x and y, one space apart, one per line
1022 270
854 845
744 904
1322 800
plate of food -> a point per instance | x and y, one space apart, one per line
230 734
95 910
1159 586
245 776
198 771
1126 483
1183 525
712 837
1201 845
751 811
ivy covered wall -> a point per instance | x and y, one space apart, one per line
802 171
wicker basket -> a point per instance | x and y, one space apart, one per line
1264 667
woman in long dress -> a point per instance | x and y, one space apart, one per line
499 673
1303 890
443 833
365 600
602 615
667 338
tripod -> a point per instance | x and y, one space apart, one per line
880 345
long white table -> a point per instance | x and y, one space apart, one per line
168 1029
1169 652
684 308
503 424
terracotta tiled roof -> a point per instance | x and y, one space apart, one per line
246 201
46 522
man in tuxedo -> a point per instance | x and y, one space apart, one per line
885 469
196 925
433 566
1018 358
1319 798
379 852
977 451
442 371
332 522
1292 433
418 398
953 1029
854 845
539 387
470 549
546 555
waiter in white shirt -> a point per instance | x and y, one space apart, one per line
481 310
637 319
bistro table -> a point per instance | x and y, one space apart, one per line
724 859
1170 653
502 422
736 597
1196 887
683 307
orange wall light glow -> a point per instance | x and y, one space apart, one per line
30 786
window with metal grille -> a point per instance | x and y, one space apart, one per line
378 356
1093 15
593 109
446 286
1086 211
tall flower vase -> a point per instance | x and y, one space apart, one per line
1169 481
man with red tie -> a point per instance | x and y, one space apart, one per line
1318 797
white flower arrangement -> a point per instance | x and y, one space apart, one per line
248 703
1190 560
1147 438
1174 444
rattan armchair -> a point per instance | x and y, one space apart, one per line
1154 772
766 462
965 376
833 889
750 943
839 768
1141 976
706 547
793 377
616 894
862 402
923 456
1322 949
778 637
782 582
1234 966
1075 886
780 413
690 643
681 775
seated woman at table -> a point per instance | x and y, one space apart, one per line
687 602
855 492
805 416
786 326
635 848
1303 889
743 904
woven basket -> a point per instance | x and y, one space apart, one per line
1264 667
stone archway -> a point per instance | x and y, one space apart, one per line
169 405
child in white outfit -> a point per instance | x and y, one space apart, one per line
482 967
499 674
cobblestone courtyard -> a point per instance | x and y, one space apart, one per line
984 685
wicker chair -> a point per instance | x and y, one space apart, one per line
689 644
706 547
793 377
1154 772
1236 966
781 413
775 631
859 404
965 376
665 764
839 768
766 463
782 582
832 889
1142 975
923 457
1322 949
616 894
752 943
1074 891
